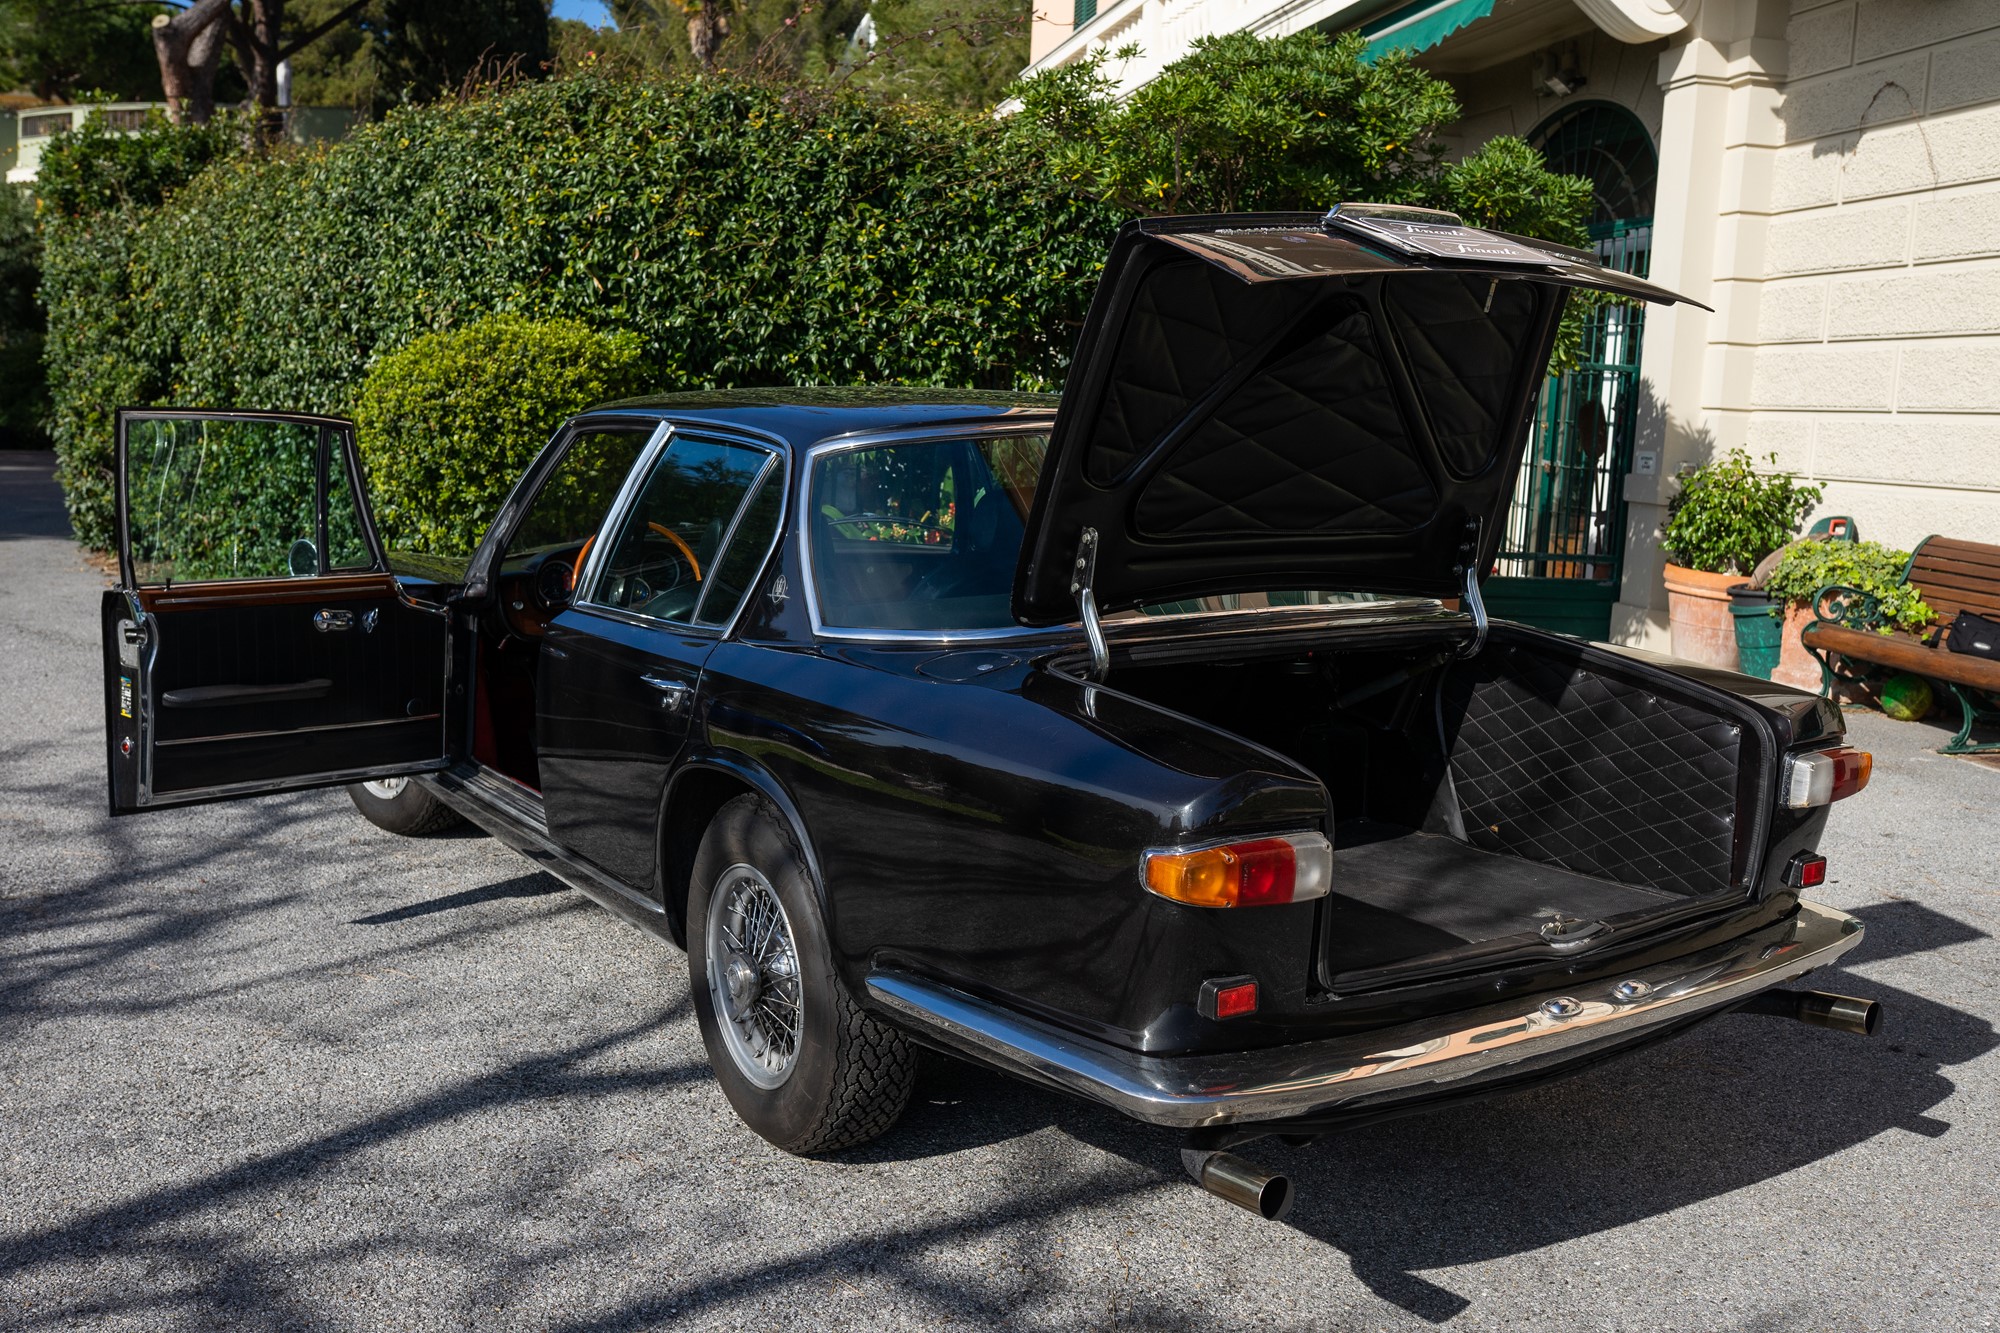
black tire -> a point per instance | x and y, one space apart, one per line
412 811
849 1075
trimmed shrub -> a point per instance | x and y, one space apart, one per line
743 232
448 424
746 234
97 189
24 392
1245 123
1870 567
1727 516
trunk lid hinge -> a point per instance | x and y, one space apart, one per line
1082 574
1468 571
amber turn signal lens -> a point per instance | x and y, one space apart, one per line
1254 873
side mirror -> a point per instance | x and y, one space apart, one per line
303 562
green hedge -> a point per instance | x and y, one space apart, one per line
448 424
742 233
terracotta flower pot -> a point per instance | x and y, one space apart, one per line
1796 666
1698 615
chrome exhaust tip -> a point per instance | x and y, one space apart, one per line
1243 1183
1842 1013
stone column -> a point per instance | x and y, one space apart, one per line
1718 130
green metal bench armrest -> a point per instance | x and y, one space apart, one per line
1839 604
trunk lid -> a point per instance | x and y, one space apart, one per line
1285 401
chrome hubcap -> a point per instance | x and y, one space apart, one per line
385 789
753 976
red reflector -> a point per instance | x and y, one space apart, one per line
1227 997
1806 871
1233 1000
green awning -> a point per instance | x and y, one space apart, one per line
1420 26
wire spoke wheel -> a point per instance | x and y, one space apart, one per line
753 976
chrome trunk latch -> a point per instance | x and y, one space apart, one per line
1566 933
1082 573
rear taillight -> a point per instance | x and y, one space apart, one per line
1825 776
1252 873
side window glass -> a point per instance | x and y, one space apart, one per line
572 503
220 499
903 496
921 536
346 547
664 552
744 556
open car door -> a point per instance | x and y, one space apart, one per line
256 641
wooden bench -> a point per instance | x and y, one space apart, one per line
1953 576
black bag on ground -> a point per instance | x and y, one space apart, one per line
1975 636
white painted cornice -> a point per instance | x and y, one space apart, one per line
1638 21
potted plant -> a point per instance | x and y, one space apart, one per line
1724 519
1805 567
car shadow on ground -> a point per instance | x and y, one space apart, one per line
1723 1107
1728 1106
538 884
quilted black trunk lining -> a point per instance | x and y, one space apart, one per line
1401 896
1569 767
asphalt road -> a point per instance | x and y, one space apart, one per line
263 1066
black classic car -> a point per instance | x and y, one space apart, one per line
1151 743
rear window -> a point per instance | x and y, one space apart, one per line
925 536
921 536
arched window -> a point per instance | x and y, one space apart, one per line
1562 558
1607 146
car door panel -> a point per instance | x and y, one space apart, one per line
620 672
616 701
223 687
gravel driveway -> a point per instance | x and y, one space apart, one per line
263 1066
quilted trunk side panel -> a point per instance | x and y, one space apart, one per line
1558 764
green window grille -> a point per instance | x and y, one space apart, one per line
1086 10
1568 516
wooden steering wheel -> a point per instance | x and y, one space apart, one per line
583 555
686 550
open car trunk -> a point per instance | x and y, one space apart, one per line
1540 796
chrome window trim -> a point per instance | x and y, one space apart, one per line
628 497
729 538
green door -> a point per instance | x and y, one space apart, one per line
1562 555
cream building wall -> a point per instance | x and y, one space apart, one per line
1876 368
1830 183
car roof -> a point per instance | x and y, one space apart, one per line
802 417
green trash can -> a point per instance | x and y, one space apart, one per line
1760 630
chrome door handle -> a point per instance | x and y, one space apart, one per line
327 621
673 693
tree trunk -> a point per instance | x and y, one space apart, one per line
257 52
706 29
189 46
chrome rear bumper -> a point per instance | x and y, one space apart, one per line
1441 1055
